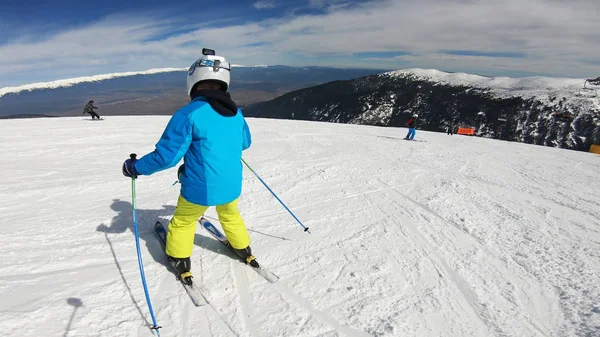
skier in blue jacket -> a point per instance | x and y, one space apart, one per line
210 134
412 124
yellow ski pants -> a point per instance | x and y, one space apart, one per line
182 228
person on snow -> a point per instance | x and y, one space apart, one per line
412 124
89 108
450 128
210 134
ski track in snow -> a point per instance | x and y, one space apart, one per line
245 298
455 236
320 315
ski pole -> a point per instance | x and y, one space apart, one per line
139 253
275 195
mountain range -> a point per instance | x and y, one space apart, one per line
158 91
536 110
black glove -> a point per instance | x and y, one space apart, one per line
129 167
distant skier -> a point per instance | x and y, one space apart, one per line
412 124
89 108
210 134
450 129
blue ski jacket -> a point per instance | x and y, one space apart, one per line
210 134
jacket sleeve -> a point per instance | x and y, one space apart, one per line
171 147
246 137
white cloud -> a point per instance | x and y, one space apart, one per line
264 4
556 37
329 4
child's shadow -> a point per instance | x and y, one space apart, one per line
123 221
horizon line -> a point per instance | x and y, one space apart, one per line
64 83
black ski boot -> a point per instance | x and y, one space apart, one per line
246 255
182 267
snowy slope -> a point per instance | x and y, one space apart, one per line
455 236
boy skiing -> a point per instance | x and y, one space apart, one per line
210 134
412 124
89 108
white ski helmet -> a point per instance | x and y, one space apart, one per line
209 67
415 115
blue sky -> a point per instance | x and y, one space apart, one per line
50 40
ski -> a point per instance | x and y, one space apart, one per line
197 298
217 234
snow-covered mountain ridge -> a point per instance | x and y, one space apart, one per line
64 83
159 91
508 84
538 110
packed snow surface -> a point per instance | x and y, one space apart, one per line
445 236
